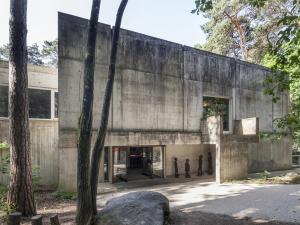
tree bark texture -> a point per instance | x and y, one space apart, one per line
84 210
20 188
99 144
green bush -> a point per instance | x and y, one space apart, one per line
5 168
4 206
65 195
264 175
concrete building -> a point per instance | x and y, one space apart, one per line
162 105
43 122
169 101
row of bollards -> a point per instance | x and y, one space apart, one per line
187 166
15 219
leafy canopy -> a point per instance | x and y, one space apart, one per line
46 55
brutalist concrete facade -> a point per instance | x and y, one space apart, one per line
158 100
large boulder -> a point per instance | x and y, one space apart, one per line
136 208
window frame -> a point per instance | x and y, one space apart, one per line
230 110
52 102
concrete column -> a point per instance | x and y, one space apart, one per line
101 168
52 104
218 163
110 165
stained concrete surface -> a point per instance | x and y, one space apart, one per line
266 202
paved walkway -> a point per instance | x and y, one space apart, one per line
268 202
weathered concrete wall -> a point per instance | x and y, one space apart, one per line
191 152
44 149
159 85
38 76
158 94
270 154
234 159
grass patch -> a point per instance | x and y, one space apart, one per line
61 195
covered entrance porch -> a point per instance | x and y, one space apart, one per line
137 163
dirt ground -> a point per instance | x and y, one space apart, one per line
48 205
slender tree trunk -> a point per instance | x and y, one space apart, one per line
84 210
20 188
98 147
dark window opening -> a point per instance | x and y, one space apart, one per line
217 106
39 104
3 101
56 105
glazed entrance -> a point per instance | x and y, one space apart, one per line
134 163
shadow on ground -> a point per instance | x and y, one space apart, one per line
202 218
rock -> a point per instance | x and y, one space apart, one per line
136 208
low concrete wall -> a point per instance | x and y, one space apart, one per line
270 155
234 160
44 149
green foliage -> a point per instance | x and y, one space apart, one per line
50 52
4 52
46 55
4 161
214 106
65 195
36 176
5 169
264 175
202 6
34 55
4 164
284 60
271 136
3 145
243 28
4 205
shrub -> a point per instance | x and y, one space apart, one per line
65 195
264 175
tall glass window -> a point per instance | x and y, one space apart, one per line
56 105
39 104
217 106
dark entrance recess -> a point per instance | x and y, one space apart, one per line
135 158
134 163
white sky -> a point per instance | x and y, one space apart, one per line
166 19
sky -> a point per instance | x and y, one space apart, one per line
167 19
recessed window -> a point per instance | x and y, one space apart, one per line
3 101
56 104
39 104
217 106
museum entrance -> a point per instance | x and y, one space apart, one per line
137 163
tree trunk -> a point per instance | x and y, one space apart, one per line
20 188
98 147
84 210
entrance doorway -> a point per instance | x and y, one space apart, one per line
136 163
